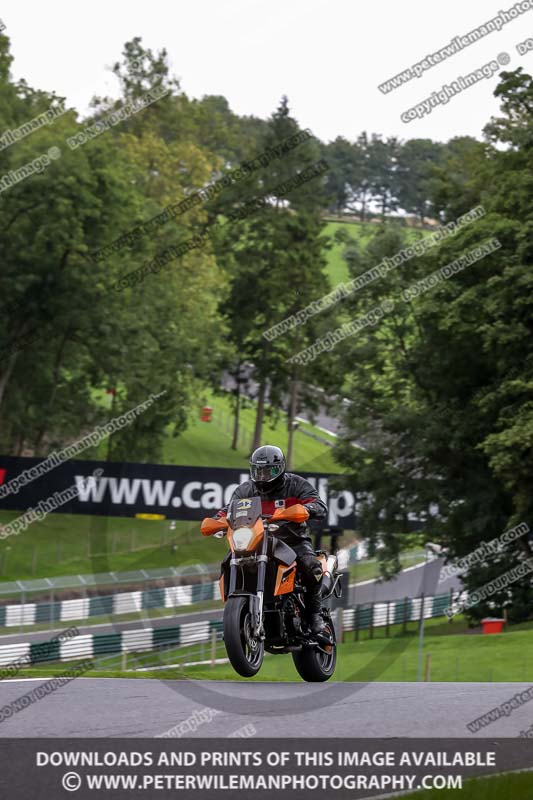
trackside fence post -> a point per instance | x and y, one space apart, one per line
339 625
213 647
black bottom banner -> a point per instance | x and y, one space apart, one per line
211 769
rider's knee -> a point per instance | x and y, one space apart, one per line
311 567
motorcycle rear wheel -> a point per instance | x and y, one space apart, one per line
244 652
312 664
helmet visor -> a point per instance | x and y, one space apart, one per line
264 473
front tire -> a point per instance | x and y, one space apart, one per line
312 664
244 652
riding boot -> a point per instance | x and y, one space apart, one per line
313 604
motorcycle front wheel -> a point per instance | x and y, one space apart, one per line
244 651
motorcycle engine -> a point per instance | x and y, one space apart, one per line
293 617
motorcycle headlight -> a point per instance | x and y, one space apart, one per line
242 538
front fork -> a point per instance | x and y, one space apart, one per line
255 600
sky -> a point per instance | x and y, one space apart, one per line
327 56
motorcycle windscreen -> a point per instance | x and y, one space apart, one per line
244 513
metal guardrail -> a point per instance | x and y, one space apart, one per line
108 605
144 640
191 587
104 579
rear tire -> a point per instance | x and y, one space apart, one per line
244 652
313 665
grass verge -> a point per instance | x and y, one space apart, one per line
519 786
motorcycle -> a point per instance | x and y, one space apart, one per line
260 584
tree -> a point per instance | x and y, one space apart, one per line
382 164
417 159
459 179
341 158
67 334
441 389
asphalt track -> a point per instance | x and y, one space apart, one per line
92 707
410 582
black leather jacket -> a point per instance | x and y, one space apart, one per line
294 489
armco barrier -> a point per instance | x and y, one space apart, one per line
107 605
108 644
148 639
394 612
81 584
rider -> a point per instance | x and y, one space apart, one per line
280 489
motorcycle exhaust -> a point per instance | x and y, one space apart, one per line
328 577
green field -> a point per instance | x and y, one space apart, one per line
458 654
70 544
209 443
76 544
519 786
458 657
362 232
337 268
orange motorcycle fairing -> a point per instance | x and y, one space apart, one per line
258 528
210 526
285 579
297 513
